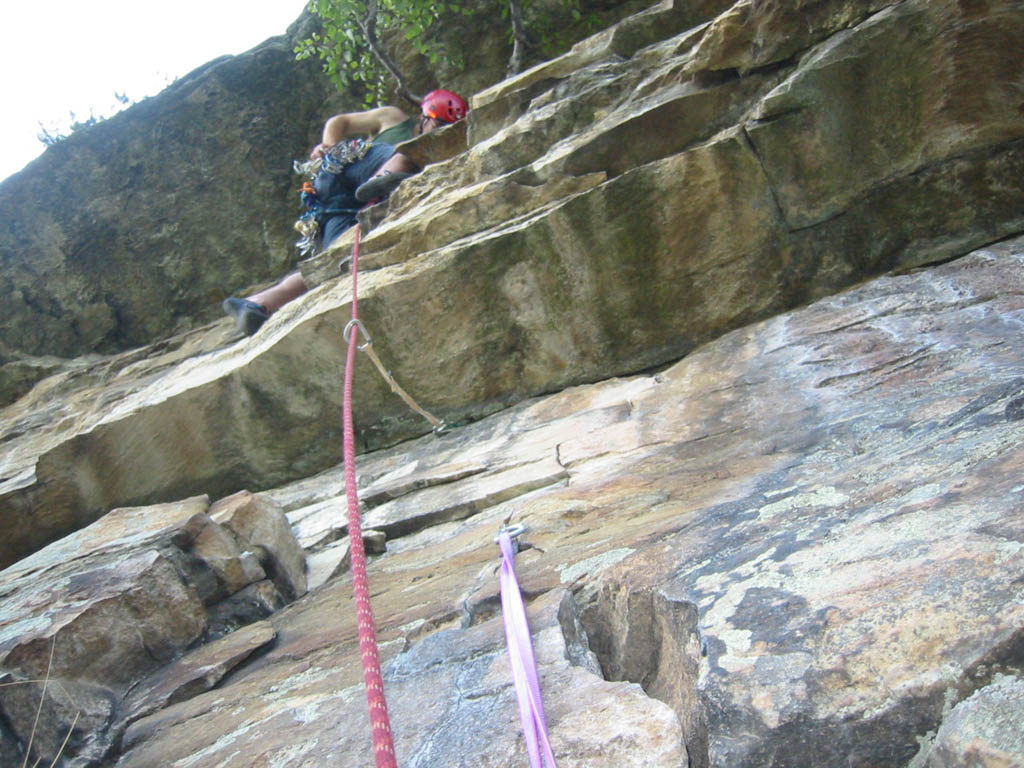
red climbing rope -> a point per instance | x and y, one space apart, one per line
380 724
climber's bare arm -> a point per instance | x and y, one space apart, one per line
368 123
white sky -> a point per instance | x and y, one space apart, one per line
58 56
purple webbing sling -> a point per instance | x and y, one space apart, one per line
521 658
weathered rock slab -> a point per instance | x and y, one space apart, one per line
798 542
659 192
803 539
261 524
986 730
327 562
105 615
847 119
450 697
195 672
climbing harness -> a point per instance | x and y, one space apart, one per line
520 653
380 723
335 160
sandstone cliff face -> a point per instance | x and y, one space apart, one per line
727 303
134 230
122 231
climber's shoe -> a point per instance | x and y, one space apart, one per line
249 316
380 186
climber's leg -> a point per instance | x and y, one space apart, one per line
397 163
279 294
250 314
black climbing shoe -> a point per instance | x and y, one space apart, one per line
249 316
380 186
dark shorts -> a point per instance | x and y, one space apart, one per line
337 191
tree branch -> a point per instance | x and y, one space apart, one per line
368 26
519 39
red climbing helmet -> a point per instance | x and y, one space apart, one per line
445 106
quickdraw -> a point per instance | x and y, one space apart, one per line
438 425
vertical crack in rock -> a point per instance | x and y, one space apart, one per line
454 689
779 210
645 637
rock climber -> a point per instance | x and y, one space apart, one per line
352 172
